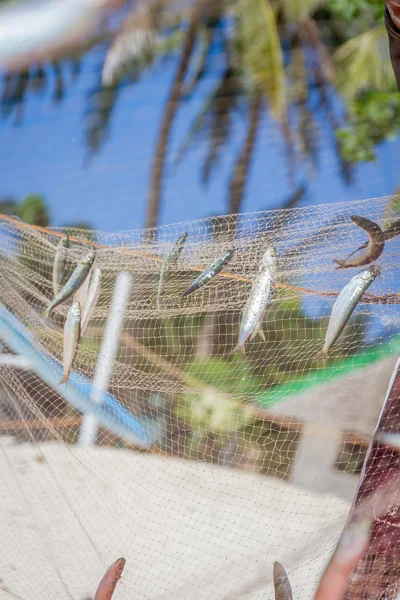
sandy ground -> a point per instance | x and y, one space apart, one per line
188 530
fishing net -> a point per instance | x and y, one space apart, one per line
203 466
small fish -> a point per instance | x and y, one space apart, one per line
283 589
107 585
72 334
91 299
255 307
344 306
171 259
74 282
391 232
206 276
374 247
60 260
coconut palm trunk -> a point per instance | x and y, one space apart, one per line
171 108
241 170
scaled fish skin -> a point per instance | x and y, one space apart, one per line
74 282
255 307
283 589
72 334
206 276
91 299
374 247
60 260
344 306
171 258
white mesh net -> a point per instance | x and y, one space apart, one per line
284 438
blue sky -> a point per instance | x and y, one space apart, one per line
45 155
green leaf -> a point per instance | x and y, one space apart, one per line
363 63
262 54
295 10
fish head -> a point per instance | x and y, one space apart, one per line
64 242
374 270
89 258
76 310
269 257
366 224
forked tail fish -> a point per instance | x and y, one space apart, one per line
170 260
283 589
344 306
91 299
206 276
74 282
72 334
374 246
388 234
255 307
60 260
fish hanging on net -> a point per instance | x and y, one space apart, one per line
283 589
209 274
74 282
91 299
344 306
72 335
255 307
388 234
374 246
169 261
60 260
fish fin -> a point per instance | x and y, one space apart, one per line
63 379
322 355
237 349
258 330
341 263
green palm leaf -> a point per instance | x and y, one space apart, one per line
295 10
363 62
262 54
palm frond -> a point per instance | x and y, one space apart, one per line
134 46
262 53
206 39
296 10
225 101
101 105
363 62
214 119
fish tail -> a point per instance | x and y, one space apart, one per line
63 379
341 263
258 331
322 355
237 349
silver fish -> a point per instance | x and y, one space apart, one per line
92 298
283 589
60 260
171 259
74 282
207 275
72 334
344 306
255 307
